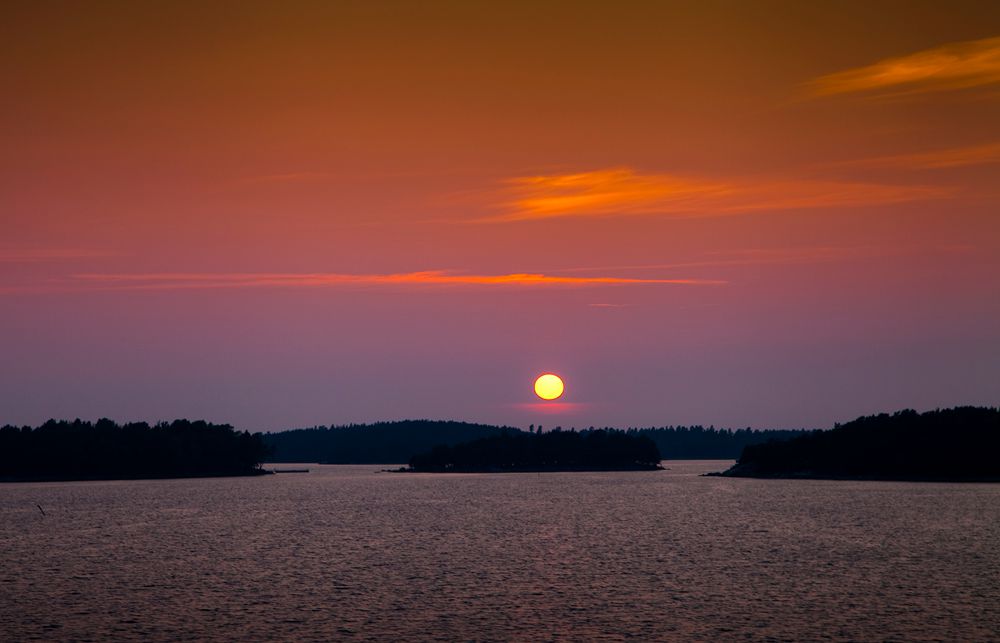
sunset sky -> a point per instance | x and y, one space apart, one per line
280 214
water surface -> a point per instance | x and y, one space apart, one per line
345 552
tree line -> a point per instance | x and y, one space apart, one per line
700 443
377 443
63 450
961 443
397 442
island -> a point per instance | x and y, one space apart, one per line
375 443
400 440
104 450
960 444
558 450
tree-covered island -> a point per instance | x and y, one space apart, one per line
398 441
103 450
554 451
959 444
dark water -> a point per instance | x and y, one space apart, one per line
345 553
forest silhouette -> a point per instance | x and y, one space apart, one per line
377 443
952 444
397 442
961 444
78 450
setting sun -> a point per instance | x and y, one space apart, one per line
549 386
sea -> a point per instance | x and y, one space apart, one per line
353 553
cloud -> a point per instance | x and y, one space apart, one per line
936 159
177 281
623 191
953 66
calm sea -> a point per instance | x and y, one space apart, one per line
347 553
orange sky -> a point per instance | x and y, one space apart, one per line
280 214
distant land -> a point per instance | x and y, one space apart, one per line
398 442
595 450
959 444
953 444
104 450
83 450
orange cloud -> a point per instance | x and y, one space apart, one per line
173 281
622 191
953 66
937 159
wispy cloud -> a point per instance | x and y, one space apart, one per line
936 159
953 66
177 281
623 191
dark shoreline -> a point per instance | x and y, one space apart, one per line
844 477
526 470
945 445
112 478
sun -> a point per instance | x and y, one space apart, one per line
549 386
